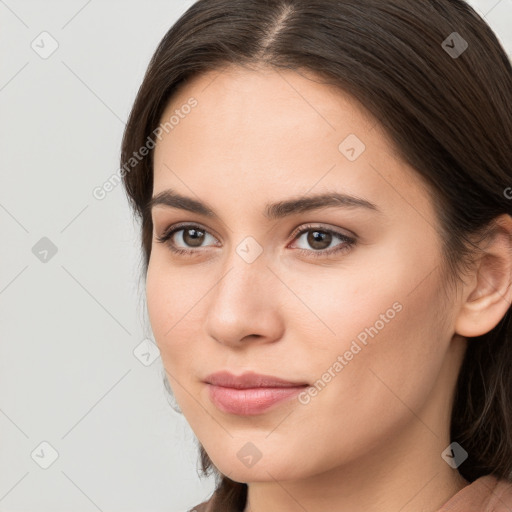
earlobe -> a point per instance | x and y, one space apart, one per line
488 297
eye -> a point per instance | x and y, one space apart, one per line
319 238
192 235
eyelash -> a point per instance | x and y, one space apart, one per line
347 245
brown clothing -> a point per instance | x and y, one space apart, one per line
486 494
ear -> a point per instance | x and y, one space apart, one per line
487 295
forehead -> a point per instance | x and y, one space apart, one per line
260 114
250 93
262 127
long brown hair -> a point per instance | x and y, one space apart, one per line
444 99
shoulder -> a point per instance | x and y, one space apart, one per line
486 493
501 496
205 506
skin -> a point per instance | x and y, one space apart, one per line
372 439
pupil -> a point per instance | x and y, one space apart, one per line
318 237
196 236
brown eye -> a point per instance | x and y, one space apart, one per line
192 237
320 239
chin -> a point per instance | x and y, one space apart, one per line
267 469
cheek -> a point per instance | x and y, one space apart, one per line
176 301
379 290
159 298
387 336
392 345
169 300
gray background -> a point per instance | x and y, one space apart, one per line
74 367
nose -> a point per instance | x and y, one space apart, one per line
244 305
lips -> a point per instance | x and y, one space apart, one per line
249 380
251 393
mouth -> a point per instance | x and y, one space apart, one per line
251 393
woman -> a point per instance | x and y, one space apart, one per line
325 198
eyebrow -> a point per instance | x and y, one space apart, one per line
171 199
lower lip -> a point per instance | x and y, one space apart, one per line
251 401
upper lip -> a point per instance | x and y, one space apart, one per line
249 380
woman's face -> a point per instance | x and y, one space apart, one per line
342 296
